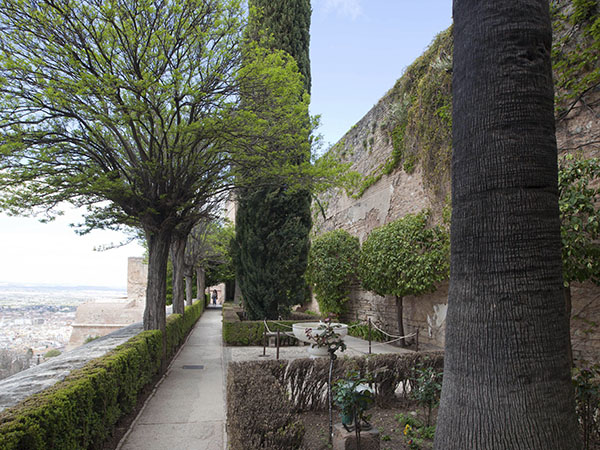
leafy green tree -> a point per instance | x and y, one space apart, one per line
130 109
580 218
332 266
209 250
181 283
285 25
404 257
579 197
273 222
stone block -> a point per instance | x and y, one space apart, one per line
344 440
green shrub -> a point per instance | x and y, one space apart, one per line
81 411
361 330
52 353
332 269
427 388
250 332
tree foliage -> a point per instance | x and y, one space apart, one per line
580 218
117 101
209 247
130 108
274 220
287 24
332 266
271 251
404 257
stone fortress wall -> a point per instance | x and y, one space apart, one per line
390 198
99 318
367 146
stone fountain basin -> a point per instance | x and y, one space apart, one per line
300 333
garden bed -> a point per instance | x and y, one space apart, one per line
268 401
389 421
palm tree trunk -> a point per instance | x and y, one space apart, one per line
506 371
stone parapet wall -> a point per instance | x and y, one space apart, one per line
37 378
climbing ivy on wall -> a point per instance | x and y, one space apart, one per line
575 52
419 121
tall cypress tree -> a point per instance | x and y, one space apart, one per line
273 224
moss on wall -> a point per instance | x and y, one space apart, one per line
575 52
418 122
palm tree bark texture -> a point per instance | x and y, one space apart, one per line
506 376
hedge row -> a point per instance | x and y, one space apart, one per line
264 396
81 411
250 332
259 416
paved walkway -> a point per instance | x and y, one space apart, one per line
187 408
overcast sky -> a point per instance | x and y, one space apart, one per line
359 48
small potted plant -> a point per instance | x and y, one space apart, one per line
354 396
327 338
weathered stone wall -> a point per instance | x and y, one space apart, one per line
137 278
98 318
368 146
585 321
393 196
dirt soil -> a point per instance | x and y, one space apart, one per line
391 431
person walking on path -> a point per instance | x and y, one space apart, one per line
214 296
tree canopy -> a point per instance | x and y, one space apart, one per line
332 266
404 257
130 108
209 247
273 222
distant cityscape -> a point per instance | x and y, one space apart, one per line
35 320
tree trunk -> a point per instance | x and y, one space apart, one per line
178 260
156 290
189 297
400 318
237 297
201 284
569 307
506 371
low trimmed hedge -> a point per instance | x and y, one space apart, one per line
81 411
239 332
